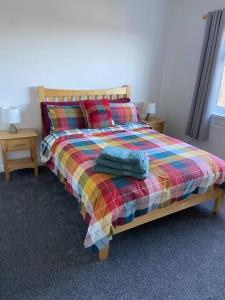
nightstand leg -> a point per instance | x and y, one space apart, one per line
36 170
4 156
7 176
34 156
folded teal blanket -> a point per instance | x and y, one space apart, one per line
103 169
123 162
133 158
123 166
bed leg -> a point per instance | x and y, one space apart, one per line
218 202
104 253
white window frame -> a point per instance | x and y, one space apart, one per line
220 105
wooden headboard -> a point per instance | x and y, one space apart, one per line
55 95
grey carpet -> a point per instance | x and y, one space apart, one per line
42 255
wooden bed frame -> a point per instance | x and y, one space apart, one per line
56 95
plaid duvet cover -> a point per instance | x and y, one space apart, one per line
177 170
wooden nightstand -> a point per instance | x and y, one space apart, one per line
24 139
155 123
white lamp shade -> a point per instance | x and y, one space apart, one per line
151 108
11 115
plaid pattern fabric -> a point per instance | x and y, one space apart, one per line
124 112
45 116
65 117
176 170
44 110
97 113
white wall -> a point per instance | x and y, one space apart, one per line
185 30
79 44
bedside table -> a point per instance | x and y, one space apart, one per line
155 123
24 139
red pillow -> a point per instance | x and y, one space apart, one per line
97 113
45 116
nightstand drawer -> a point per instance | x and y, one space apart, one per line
158 127
155 123
18 144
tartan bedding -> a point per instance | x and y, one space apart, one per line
176 170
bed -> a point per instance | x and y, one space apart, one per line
181 176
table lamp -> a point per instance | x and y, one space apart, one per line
11 115
150 110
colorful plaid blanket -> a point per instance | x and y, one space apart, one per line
176 170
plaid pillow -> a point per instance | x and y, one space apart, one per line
65 117
124 112
97 113
45 116
44 109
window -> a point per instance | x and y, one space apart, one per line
221 98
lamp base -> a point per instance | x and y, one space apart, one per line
12 128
